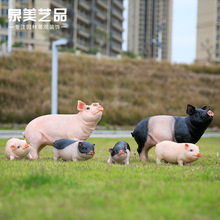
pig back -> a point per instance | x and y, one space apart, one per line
161 128
49 128
169 151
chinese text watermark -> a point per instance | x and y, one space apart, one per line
40 19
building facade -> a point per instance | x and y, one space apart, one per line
208 31
150 27
91 25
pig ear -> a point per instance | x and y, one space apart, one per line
206 107
190 109
110 150
81 105
12 147
186 146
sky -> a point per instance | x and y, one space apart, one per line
183 30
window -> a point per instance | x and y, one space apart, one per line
4 37
4 12
22 34
5 26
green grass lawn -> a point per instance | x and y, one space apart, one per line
92 189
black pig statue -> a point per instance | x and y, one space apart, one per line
155 129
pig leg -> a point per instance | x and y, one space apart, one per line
29 156
144 154
147 146
109 160
34 153
180 162
12 157
158 160
74 159
55 154
55 158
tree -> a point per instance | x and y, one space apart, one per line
129 54
101 38
2 21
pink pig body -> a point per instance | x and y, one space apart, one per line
173 152
45 130
16 149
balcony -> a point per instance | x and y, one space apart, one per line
101 27
84 5
101 15
82 45
118 4
117 14
60 3
102 4
83 17
116 48
57 34
117 38
117 26
83 32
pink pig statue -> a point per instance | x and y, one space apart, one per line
16 149
45 130
173 152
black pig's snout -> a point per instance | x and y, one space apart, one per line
210 113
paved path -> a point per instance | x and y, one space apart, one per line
5 134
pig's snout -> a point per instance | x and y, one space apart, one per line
100 108
198 155
91 153
210 113
121 152
26 146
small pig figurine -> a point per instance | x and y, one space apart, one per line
173 152
69 149
45 130
120 153
16 149
155 129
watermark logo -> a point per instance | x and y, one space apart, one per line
40 19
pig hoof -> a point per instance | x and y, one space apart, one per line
35 158
143 159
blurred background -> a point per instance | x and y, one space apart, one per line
136 57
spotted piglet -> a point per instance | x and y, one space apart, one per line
172 152
69 149
16 149
120 153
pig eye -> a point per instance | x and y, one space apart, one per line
191 150
18 146
84 148
88 108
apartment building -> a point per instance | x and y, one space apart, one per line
208 31
90 25
150 27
